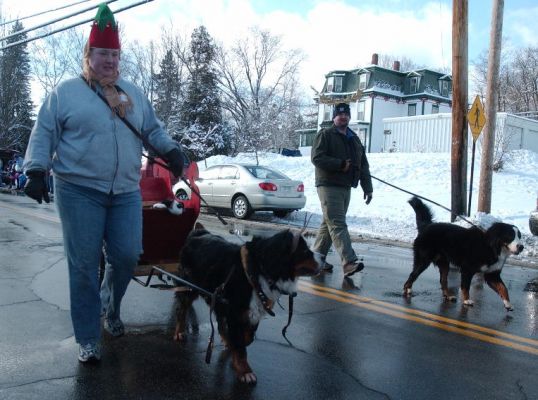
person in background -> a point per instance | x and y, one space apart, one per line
96 161
340 164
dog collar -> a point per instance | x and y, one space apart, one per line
266 302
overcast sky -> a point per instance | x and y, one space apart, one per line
332 34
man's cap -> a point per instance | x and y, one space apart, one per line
341 108
104 33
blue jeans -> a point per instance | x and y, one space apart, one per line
91 219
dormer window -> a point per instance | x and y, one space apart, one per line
444 88
414 84
363 80
334 84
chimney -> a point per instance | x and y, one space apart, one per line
375 58
396 66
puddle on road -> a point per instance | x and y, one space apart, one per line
532 286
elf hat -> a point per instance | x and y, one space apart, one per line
104 33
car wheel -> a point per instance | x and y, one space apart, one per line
241 208
281 213
182 195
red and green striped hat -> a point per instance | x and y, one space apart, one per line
104 33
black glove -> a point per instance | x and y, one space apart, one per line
36 187
175 162
368 197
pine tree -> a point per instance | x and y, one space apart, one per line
16 107
167 89
204 133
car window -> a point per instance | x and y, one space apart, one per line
228 172
210 173
265 173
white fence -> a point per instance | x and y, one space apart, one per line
433 133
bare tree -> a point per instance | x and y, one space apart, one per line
138 64
406 64
57 57
518 79
259 86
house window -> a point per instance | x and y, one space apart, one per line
435 108
338 84
327 112
363 81
360 110
413 84
334 84
444 87
411 109
330 83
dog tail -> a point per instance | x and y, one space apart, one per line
423 213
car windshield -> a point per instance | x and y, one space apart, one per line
264 173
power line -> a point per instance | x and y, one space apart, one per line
52 21
42 12
69 27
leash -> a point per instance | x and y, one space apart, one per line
426 199
151 148
216 294
290 314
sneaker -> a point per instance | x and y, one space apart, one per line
352 267
114 327
90 352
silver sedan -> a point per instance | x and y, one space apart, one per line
245 188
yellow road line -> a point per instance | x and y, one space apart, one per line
436 321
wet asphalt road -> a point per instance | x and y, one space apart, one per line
354 339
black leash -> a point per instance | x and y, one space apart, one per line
214 297
290 314
424 198
150 147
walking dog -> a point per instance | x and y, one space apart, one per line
253 277
470 249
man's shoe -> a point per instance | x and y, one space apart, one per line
114 327
353 267
90 352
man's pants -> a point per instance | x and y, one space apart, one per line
89 218
333 230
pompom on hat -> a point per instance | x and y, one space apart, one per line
104 33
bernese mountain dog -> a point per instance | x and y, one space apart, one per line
254 275
471 249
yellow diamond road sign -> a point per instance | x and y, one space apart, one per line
476 117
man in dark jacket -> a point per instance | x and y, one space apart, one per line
341 163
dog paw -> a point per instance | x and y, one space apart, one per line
407 292
179 337
508 306
249 378
453 299
469 303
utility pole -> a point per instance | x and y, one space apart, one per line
488 141
459 107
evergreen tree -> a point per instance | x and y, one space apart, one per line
16 108
167 89
203 132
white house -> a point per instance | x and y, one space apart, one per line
375 93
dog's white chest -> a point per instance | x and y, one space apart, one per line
498 266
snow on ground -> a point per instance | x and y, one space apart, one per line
389 216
